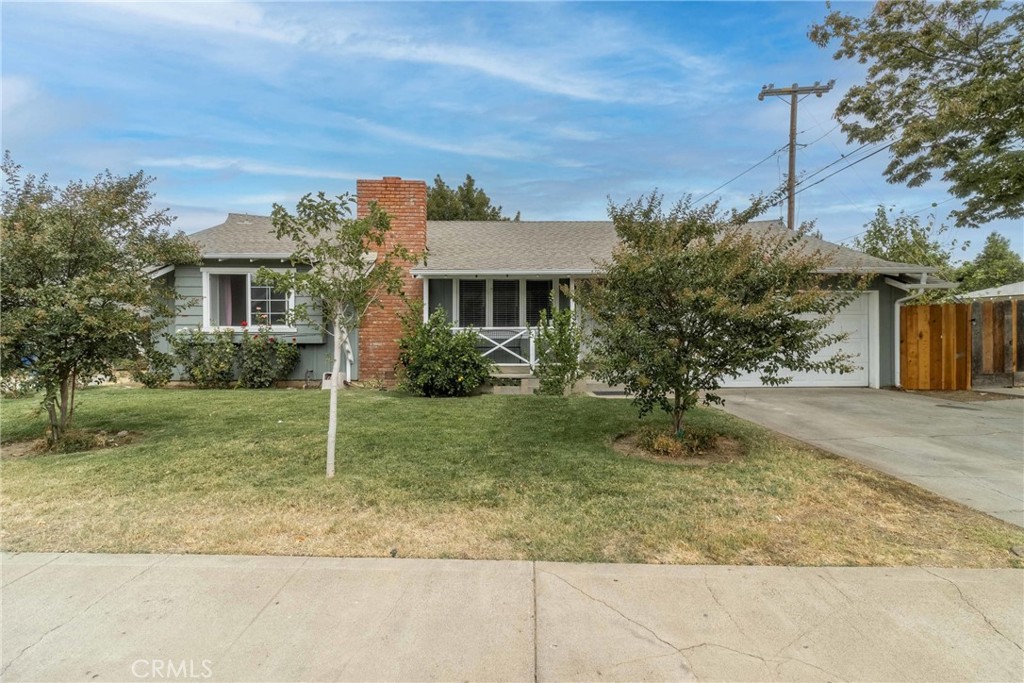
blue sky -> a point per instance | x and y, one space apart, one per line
553 108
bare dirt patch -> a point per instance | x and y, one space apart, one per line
723 450
77 441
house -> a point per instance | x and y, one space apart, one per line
495 277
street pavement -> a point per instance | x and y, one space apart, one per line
81 617
972 452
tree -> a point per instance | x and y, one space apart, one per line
689 298
996 265
76 294
944 84
465 203
905 240
339 266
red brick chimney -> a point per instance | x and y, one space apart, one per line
405 201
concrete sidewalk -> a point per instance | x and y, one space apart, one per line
160 617
972 453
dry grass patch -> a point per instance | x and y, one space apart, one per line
496 477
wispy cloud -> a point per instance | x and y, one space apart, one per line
205 163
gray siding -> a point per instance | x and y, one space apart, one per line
888 354
315 347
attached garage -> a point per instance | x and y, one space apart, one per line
860 321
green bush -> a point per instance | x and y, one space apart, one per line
435 360
263 359
207 358
559 340
153 370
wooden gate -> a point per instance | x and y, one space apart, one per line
960 346
935 347
997 354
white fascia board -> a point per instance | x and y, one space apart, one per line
158 272
422 272
261 257
913 286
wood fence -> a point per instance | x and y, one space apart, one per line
960 346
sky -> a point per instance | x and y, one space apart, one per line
554 109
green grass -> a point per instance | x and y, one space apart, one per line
517 477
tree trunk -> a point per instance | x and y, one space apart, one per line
340 337
678 409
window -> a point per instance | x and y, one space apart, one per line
232 298
505 303
494 303
538 298
472 303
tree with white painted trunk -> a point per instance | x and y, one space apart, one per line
340 264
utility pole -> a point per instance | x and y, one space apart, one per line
794 92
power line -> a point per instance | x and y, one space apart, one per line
842 157
863 158
737 177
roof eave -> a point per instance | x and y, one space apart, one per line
550 272
251 256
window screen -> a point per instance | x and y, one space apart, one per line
538 298
506 303
267 305
472 303
440 295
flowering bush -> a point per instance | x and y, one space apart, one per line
207 358
263 358
153 370
437 361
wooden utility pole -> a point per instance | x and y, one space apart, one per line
794 92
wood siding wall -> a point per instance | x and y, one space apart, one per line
962 346
935 347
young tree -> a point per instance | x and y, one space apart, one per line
465 203
690 298
944 84
339 266
75 293
996 265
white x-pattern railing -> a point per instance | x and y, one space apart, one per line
497 341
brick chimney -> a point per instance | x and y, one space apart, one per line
405 201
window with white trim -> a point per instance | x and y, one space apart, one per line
233 299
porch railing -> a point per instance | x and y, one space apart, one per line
506 345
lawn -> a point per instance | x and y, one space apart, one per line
502 477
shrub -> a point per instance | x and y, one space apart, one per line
263 359
154 370
207 358
435 360
559 340
17 384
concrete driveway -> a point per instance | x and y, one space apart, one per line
90 618
972 453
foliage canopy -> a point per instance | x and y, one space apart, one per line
690 298
467 202
76 292
945 84
996 265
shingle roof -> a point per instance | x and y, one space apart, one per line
496 247
242 235
569 247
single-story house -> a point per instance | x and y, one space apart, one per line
495 277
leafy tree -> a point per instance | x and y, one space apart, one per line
905 240
76 294
996 265
690 298
465 203
341 264
945 84
559 342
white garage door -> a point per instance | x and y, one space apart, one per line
855 319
